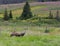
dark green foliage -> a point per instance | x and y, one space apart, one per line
26 14
20 1
42 1
39 19
57 15
46 30
6 17
10 15
50 15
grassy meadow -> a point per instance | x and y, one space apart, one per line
35 29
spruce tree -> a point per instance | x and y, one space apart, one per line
6 17
26 14
10 15
57 15
50 15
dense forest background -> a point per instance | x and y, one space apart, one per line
20 1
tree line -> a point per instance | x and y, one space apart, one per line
27 14
57 17
20 1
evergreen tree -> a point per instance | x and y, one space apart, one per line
10 15
26 14
6 17
50 15
57 15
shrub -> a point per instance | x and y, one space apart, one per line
46 30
